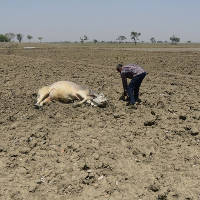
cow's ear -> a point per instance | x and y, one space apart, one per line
93 96
92 93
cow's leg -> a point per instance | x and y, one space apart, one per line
84 99
78 97
79 103
40 100
43 93
47 100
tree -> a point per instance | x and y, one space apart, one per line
95 41
3 38
10 36
174 39
121 38
134 36
84 38
29 37
153 40
19 37
40 39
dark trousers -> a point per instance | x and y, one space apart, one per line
134 86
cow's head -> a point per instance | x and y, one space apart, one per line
98 100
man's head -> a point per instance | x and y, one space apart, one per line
119 67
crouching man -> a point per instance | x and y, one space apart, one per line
131 91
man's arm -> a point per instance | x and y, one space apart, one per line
124 82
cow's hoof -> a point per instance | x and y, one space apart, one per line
76 105
37 106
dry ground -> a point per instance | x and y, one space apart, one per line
112 153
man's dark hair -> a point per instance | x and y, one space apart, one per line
118 66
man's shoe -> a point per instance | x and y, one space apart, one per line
132 106
122 98
128 99
139 100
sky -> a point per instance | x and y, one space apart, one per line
68 20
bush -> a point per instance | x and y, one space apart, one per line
3 38
174 39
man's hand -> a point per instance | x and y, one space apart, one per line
125 93
123 97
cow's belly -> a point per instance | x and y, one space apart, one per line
62 93
59 93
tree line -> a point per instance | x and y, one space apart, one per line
9 37
135 37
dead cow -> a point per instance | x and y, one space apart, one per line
67 91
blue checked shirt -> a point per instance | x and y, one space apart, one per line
130 71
